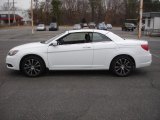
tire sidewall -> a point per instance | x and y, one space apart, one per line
42 68
114 63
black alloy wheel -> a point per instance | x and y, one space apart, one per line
33 66
122 66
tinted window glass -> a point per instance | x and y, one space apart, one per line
75 38
97 37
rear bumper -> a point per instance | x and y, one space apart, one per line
144 60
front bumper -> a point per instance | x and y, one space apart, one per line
53 29
12 62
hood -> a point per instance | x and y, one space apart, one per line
29 46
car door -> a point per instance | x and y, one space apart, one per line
73 52
104 50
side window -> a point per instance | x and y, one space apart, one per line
97 37
75 38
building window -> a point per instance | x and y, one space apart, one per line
149 22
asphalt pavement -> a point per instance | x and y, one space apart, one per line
77 95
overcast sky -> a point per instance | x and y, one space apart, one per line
24 4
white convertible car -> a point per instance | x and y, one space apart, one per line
81 50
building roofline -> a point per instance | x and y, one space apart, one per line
151 14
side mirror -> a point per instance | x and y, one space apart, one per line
54 43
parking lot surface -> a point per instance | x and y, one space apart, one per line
77 95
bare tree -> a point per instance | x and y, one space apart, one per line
73 11
94 4
115 12
6 7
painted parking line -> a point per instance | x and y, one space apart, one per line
154 40
156 56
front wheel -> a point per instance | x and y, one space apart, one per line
33 66
122 66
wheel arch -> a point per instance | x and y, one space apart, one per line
20 64
133 60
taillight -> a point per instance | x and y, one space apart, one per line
145 47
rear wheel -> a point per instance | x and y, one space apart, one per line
33 66
122 66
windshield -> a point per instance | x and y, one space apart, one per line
53 24
55 37
91 23
76 25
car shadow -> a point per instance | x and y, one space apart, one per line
13 73
76 73
79 73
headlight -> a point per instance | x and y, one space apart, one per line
12 52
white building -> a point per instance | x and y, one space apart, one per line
152 20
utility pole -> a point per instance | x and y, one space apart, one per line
14 19
93 3
32 16
36 10
140 19
9 22
46 11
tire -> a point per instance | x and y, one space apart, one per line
122 66
32 66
